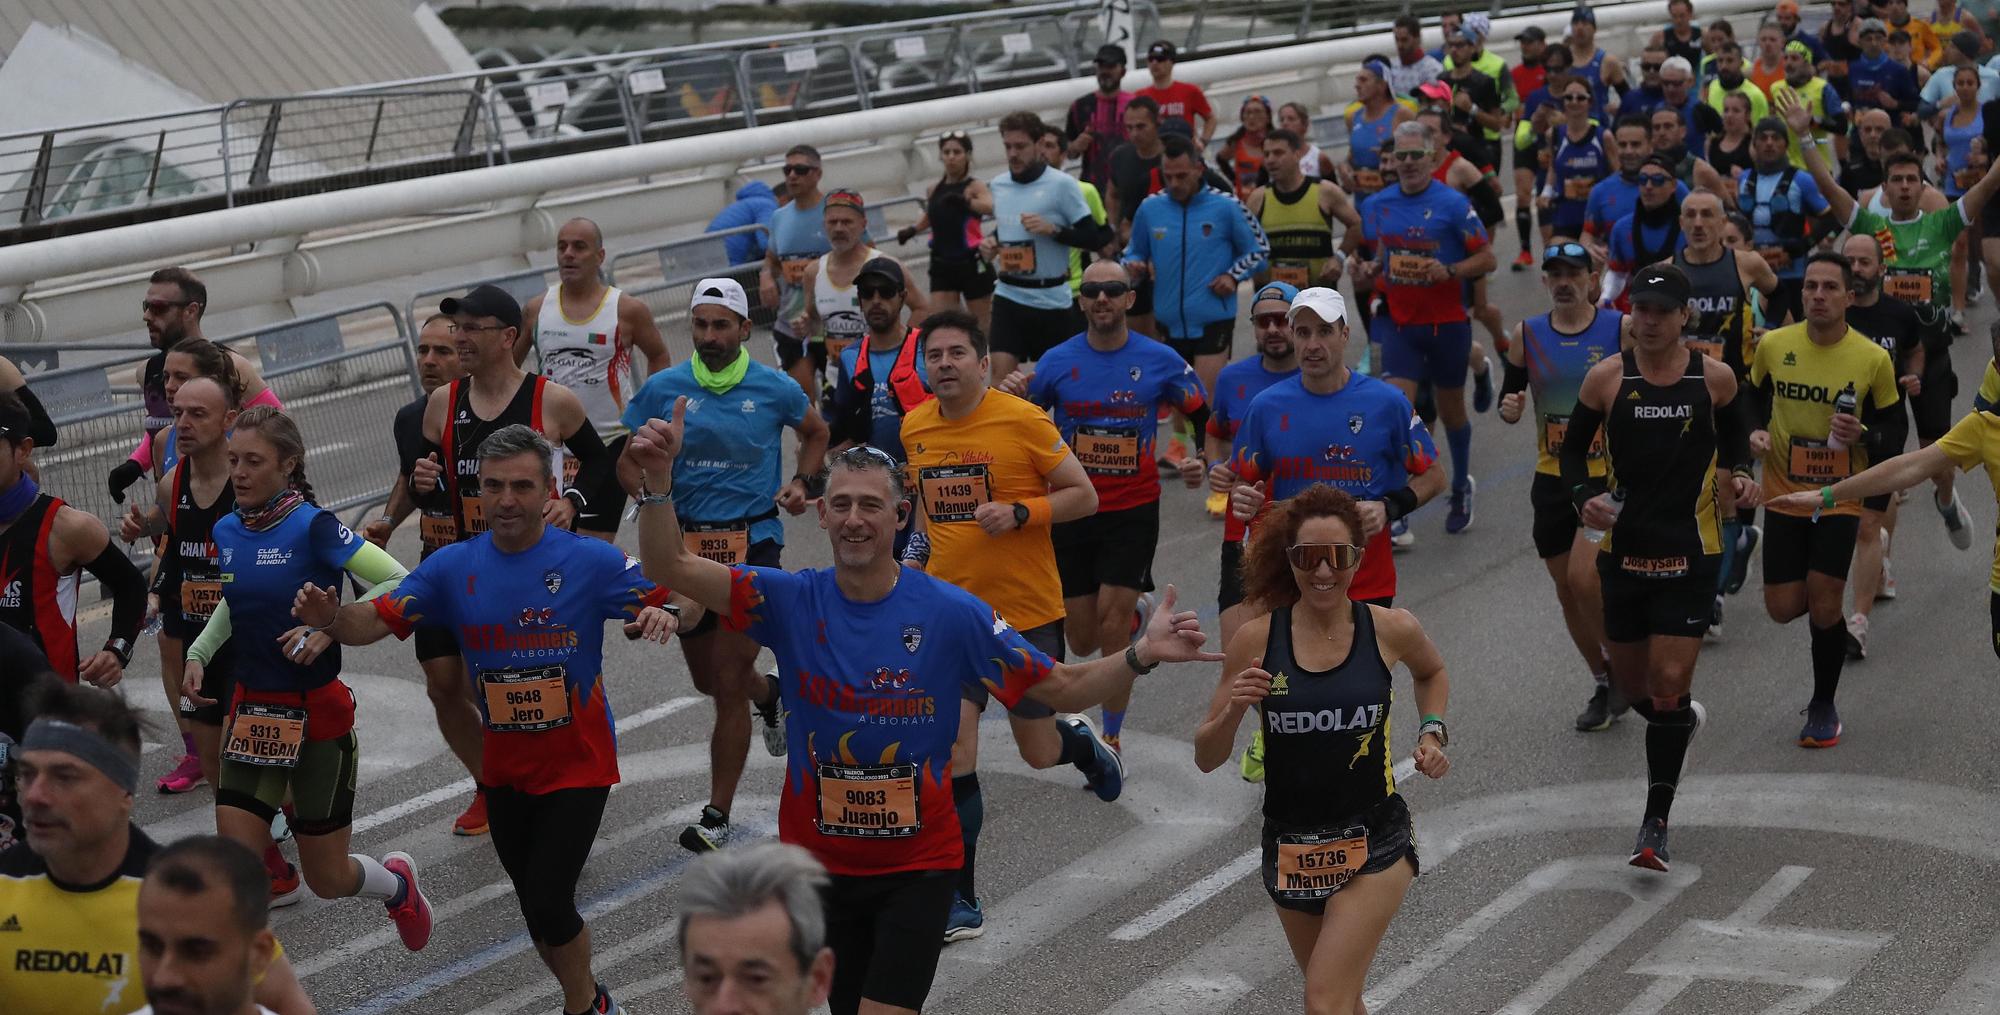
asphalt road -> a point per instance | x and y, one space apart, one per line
1857 879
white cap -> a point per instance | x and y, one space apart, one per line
1322 301
721 292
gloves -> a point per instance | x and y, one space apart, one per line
127 473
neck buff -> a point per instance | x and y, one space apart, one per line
719 381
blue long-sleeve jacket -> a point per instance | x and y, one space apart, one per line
1187 246
754 204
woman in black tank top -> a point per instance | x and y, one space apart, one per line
1337 842
952 212
1670 415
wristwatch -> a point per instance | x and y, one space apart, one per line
1020 515
121 648
1435 726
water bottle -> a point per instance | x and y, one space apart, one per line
1617 505
1843 402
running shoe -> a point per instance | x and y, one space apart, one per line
1604 708
1957 523
473 821
1253 758
1142 613
1170 459
1822 728
413 914
1459 517
287 889
604 1005
1482 390
771 718
186 776
281 824
1400 536
1650 851
1739 565
1714 632
1888 587
1106 774
707 835
1857 636
967 920
1523 261
1217 505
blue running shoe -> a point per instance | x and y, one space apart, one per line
1400 536
1650 851
1739 565
1106 773
1482 390
967 921
1459 517
1822 728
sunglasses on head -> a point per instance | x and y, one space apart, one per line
1273 320
954 135
878 292
1112 290
797 169
1654 179
862 454
1309 556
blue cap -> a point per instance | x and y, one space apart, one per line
1283 292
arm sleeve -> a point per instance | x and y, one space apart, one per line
1888 427
1732 433
213 635
1085 233
1513 379
594 462
43 429
375 567
1576 456
128 591
1760 395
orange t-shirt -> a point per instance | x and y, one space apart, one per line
1002 452
1764 79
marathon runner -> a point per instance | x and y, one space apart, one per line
1724 284
43 543
1646 235
1332 425
1425 242
1670 417
69 888
289 724
1039 214
798 238
1826 400
881 378
1916 262
1339 851
1787 210
1617 195
1893 325
1550 356
437 365
952 209
993 478
1579 155
1298 214
1239 384
731 494
495 393
586 331
551 754
1105 388
832 306
871 655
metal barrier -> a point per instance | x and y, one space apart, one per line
814 79
331 370
274 148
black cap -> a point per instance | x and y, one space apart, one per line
1659 285
884 268
1584 15
15 422
1659 161
1533 33
1110 56
1162 50
1770 125
1968 45
485 301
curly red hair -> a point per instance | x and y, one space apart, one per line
1267 572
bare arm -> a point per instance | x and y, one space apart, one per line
1757 274
979 197
915 297
1799 119
1070 494
280 990
1428 485
531 316
1171 636
637 320
1242 684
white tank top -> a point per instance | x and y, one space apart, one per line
590 357
839 309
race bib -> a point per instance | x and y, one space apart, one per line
474 511
1017 259
722 543
524 701
1707 346
1409 269
1577 188
199 599
437 530
874 802
1815 464
951 493
269 735
571 465
1654 567
1298 275
1555 429
1314 865
796 268
1908 286
1107 451
1368 181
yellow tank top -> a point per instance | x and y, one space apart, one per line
1301 235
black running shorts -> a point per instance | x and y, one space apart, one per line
1026 333
1794 545
1229 591
886 931
972 279
1108 548
1637 607
1215 340
1555 523
606 501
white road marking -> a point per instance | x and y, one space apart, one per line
603 961
1217 975
1192 897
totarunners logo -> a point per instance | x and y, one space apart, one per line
885 698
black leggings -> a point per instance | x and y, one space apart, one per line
1993 607
543 840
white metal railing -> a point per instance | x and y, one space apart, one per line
263 256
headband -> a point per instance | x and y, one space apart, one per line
90 747
843 199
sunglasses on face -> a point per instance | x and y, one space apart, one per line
1576 98
1410 156
1109 290
1654 180
1309 556
1272 320
158 307
1649 68
800 170
878 292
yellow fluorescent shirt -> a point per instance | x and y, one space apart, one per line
1805 379
1973 442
